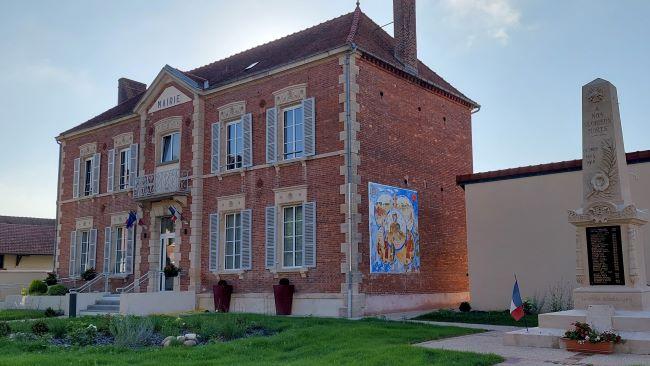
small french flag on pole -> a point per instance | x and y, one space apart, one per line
175 214
516 305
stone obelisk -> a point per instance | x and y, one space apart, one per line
610 253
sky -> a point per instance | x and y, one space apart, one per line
524 61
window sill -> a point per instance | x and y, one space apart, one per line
167 163
235 272
229 172
302 270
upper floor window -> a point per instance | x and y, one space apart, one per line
88 168
233 241
294 132
235 144
125 168
170 147
292 236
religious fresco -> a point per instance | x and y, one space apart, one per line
394 237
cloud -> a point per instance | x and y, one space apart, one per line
494 19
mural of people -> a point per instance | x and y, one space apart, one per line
394 238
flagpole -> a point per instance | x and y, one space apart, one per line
525 323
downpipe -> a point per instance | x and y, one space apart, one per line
348 155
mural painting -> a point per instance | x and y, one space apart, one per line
394 238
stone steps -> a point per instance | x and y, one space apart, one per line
107 305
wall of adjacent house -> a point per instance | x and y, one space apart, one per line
520 226
31 267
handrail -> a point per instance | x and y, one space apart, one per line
88 285
137 282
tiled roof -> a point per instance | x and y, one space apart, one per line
352 28
27 235
542 169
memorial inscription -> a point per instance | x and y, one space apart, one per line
605 255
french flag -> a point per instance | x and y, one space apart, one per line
516 305
175 214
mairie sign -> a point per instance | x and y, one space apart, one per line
170 97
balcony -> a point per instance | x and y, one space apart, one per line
161 185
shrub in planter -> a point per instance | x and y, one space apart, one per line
222 294
5 329
465 307
37 287
171 270
40 327
283 294
89 274
57 290
131 331
50 280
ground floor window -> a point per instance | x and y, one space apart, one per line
292 236
120 249
83 251
233 241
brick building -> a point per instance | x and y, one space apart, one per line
269 155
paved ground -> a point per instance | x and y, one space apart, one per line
491 342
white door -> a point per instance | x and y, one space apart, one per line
167 248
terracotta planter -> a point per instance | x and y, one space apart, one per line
283 299
587 347
222 295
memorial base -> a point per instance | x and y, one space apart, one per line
632 326
620 297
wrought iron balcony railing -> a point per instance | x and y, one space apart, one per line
161 184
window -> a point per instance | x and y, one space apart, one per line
120 249
233 241
170 147
294 132
83 258
88 167
235 144
292 236
125 168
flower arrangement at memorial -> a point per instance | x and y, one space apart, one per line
583 333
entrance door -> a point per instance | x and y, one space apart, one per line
167 246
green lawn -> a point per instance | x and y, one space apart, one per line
479 317
298 341
16 314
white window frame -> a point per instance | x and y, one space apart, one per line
124 161
232 243
121 250
88 177
238 143
171 136
83 263
293 235
293 153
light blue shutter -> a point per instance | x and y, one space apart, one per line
110 173
130 239
271 135
270 237
75 178
309 111
214 242
72 272
107 250
92 249
246 218
133 164
94 174
309 232
215 162
247 128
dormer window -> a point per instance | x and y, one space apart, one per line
170 147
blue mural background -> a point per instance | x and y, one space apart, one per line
394 236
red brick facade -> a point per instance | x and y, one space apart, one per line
410 135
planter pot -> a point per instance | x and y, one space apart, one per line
283 299
587 347
222 295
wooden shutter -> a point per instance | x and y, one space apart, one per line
309 232
246 218
110 177
215 162
271 135
72 271
75 178
270 237
107 250
247 129
94 175
214 242
309 120
130 238
92 249
133 164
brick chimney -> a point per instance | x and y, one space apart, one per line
127 88
406 50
